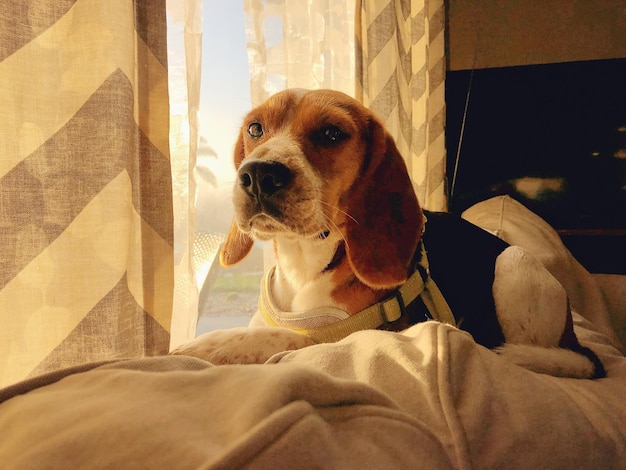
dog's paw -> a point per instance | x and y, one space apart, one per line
243 345
557 362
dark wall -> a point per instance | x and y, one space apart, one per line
552 136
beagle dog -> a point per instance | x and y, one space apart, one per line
320 177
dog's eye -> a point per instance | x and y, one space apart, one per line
331 135
255 130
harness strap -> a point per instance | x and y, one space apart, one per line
386 311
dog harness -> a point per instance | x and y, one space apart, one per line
336 324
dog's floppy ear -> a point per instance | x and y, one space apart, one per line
237 244
388 220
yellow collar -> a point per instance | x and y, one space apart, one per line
339 324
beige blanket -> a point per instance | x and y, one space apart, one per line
429 397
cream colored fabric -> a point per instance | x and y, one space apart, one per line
183 413
427 398
486 412
400 75
85 187
613 288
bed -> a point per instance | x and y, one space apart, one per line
428 397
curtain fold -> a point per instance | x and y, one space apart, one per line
86 223
400 72
184 39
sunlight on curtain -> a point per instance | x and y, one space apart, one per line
86 227
296 44
184 45
400 75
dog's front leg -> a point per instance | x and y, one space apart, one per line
244 345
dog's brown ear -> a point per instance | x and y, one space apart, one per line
236 246
388 220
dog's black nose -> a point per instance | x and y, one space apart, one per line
260 178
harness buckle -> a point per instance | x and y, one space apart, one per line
392 309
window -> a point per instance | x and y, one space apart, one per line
228 297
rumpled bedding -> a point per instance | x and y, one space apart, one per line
428 397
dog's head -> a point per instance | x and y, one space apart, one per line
311 162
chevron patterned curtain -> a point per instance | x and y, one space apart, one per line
86 237
400 71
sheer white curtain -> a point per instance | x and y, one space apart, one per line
184 36
299 44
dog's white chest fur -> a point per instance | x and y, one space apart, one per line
300 282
